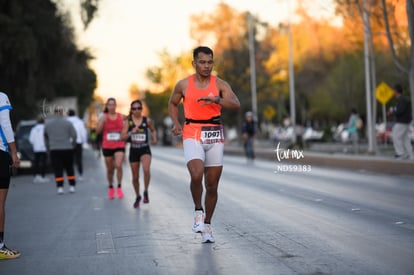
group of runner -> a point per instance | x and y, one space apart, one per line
116 130
202 94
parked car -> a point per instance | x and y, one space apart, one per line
311 134
23 145
282 134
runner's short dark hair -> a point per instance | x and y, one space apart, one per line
202 49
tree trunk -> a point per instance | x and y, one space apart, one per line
410 18
409 71
373 84
411 81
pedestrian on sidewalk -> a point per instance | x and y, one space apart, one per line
401 129
136 130
248 134
110 124
81 139
353 130
37 139
203 96
60 139
8 159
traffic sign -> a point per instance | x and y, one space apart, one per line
383 93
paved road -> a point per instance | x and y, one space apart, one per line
323 221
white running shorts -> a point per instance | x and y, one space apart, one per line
210 154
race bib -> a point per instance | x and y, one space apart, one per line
211 134
138 137
113 136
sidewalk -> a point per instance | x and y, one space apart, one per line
333 155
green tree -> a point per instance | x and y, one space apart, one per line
340 91
328 62
38 57
390 25
163 79
406 67
157 104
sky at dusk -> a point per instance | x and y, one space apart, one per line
127 35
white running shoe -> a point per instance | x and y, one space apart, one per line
72 189
207 234
198 226
60 191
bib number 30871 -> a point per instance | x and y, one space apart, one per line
211 134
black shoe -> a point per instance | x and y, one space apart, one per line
136 203
146 199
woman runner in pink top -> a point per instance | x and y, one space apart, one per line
110 124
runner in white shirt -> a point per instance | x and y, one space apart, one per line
8 158
37 139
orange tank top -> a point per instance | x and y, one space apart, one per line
195 111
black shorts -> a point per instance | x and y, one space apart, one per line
5 169
136 153
111 152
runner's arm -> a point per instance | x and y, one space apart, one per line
124 133
153 131
175 99
228 98
9 135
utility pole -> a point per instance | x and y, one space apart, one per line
252 66
291 80
367 79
